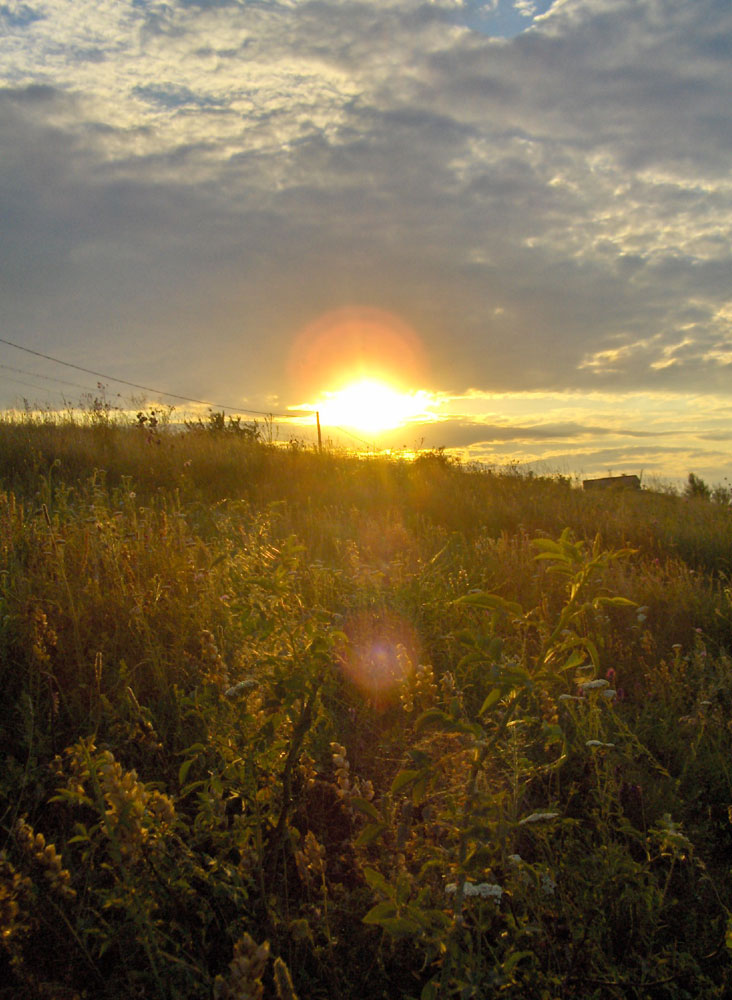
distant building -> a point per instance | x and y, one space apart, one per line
613 483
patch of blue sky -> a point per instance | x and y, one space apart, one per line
500 18
19 15
171 97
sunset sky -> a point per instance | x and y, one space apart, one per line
515 213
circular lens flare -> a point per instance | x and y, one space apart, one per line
379 656
352 344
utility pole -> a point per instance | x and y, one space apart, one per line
320 440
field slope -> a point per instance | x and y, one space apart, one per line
278 723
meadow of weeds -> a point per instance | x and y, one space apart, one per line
277 723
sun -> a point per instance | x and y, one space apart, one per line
371 405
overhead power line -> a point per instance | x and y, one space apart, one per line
147 388
31 385
136 385
46 378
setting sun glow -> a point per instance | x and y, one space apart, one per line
371 405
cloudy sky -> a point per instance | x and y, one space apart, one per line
521 209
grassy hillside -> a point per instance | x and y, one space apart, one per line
282 723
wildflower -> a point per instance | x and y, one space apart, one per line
14 891
515 859
610 693
595 685
46 856
599 743
244 981
486 890
306 767
348 787
548 885
672 839
243 687
538 818
214 669
310 861
568 697
283 981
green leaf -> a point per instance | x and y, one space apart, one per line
576 659
474 656
560 556
513 960
370 833
364 806
402 779
400 927
82 837
491 602
190 787
493 697
377 882
548 549
419 789
592 650
183 771
614 602
516 676
433 717
495 647
382 911
403 890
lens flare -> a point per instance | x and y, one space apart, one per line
379 656
352 344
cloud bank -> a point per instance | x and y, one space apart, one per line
541 190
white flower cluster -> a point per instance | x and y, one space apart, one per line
595 685
243 687
488 890
599 743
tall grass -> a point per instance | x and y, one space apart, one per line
354 715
